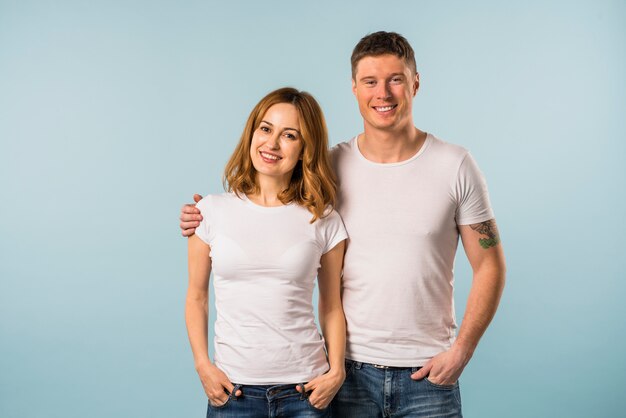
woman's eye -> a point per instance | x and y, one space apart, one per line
264 128
290 136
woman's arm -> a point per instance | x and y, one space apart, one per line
214 381
333 323
332 319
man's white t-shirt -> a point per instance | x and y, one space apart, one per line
398 270
264 264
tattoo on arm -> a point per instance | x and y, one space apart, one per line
490 229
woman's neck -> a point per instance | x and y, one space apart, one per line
269 189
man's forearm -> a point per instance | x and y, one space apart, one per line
482 303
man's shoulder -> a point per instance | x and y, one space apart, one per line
446 148
342 147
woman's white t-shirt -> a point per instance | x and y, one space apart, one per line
264 265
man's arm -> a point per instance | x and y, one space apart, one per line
483 249
190 217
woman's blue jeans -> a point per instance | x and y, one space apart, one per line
263 401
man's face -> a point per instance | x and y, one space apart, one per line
384 87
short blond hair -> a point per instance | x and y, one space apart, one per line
382 43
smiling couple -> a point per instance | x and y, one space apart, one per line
377 220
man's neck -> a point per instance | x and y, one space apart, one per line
390 146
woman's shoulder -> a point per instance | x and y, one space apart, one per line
331 229
330 215
217 200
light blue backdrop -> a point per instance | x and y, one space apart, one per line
113 113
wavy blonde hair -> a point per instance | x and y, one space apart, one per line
312 183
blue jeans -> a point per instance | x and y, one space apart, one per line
379 392
267 401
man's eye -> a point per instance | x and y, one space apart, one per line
396 80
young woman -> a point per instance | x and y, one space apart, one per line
265 241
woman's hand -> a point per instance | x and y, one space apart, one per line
324 388
216 384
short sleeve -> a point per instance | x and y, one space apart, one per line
203 231
473 205
333 231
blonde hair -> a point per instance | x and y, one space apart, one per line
312 183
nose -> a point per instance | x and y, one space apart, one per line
382 91
273 141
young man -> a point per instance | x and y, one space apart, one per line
405 197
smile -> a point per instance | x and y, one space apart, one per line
271 157
385 108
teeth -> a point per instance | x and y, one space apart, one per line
269 156
384 108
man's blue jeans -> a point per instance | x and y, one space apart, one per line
263 401
379 392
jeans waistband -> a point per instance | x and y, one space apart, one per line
359 364
272 391
380 366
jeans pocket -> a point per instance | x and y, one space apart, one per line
442 387
315 408
222 405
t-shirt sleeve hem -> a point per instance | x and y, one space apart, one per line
203 238
201 230
475 219
341 236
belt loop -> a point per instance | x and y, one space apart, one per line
303 394
233 394
358 365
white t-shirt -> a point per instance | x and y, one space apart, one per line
398 270
264 264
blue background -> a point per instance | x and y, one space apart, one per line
113 113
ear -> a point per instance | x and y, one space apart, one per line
416 84
353 86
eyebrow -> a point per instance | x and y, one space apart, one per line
290 129
390 75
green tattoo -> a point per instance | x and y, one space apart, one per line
489 229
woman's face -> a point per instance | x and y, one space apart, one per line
277 143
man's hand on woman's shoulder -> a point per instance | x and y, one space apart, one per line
190 217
